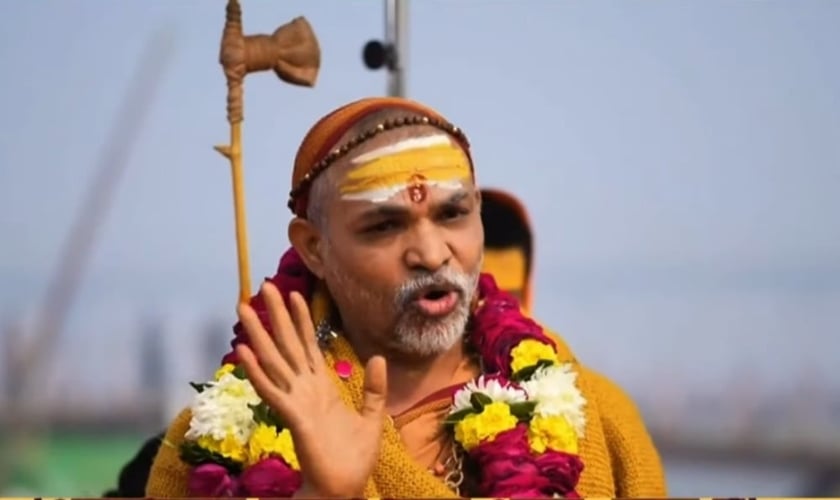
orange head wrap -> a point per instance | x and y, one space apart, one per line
320 147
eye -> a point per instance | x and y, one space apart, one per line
382 227
453 212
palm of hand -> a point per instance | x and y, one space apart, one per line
337 446
338 461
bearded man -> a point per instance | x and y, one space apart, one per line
508 257
382 363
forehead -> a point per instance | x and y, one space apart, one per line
395 159
383 140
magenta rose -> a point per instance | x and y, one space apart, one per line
562 471
507 466
270 477
292 276
499 326
211 480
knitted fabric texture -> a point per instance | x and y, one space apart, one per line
619 457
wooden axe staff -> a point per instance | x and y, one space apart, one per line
293 53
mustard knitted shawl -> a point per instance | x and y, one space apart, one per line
619 457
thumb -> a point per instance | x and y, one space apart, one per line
375 388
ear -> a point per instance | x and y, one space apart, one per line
306 240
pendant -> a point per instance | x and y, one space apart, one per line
324 333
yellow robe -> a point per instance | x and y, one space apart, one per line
619 457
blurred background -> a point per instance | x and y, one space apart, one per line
680 162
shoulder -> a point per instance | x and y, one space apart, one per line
636 464
168 475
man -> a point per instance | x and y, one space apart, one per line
387 248
508 256
508 244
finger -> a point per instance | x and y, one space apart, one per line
375 388
306 330
263 347
285 333
266 389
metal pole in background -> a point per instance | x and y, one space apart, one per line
24 419
396 16
392 52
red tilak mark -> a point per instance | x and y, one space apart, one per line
417 188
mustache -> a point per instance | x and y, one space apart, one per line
445 278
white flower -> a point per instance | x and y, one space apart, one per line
554 390
222 409
491 388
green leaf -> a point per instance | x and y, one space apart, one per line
479 401
457 416
263 414
260 413
193 454
527 372
239 372
199 387
523 410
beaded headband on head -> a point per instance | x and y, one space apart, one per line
416 115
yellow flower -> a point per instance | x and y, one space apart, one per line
224 370
494 419
228 447
554 432
265 441
286 448
529 352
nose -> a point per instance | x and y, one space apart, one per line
428 250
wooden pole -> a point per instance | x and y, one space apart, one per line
293 53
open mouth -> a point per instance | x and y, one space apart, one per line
435 294
437 301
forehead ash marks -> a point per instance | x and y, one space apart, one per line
411 164
400 146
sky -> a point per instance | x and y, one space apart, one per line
680 161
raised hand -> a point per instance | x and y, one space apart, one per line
337 446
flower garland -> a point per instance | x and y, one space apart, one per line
236 444
519 422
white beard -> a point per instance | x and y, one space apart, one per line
427 337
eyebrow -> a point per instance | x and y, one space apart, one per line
388 211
